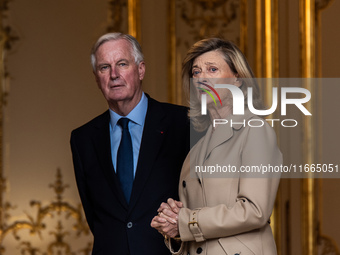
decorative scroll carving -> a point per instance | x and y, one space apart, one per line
322 4
208 17
36 224
7 39
118 21
326 246
192 20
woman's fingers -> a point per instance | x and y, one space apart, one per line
163 206
164 227
159 223
169 215
179 204
173 205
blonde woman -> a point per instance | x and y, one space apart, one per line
228 213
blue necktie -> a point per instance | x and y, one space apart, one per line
125 159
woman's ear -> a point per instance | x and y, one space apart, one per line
238 81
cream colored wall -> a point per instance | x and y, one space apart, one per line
51 92
154 42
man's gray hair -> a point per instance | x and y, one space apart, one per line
136 48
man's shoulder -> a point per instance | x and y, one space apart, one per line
96 122
168 107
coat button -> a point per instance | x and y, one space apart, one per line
129 225
236 254
184 184
199 250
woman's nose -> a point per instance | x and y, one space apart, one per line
202 79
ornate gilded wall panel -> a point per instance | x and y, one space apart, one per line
118 16
192 20
125 17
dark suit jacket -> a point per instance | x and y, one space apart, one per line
119 228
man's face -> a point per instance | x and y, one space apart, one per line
117 74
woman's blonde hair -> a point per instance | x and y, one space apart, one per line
238 65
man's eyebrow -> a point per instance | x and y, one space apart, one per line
123 59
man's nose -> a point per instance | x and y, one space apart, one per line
114 74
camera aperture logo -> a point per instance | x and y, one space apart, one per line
208 92
238 104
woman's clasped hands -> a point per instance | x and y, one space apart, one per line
166 222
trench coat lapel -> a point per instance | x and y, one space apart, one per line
198 156
224 132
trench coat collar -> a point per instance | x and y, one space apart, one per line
221 134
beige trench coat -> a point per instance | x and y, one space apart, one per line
228 213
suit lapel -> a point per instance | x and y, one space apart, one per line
103 148
152 139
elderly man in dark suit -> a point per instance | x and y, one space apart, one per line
127 160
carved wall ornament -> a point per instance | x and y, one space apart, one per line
59 210
7 39
117 19
322 4
208 17
192 20
327 246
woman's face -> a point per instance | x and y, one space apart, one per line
209 69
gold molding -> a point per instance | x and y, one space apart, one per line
244 27
134 27
275 29
124 17
267 39
308 217
268 65
270 70
258 38
307 37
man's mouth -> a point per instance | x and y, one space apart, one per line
117 86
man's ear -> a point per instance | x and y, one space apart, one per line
141 70
96 79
